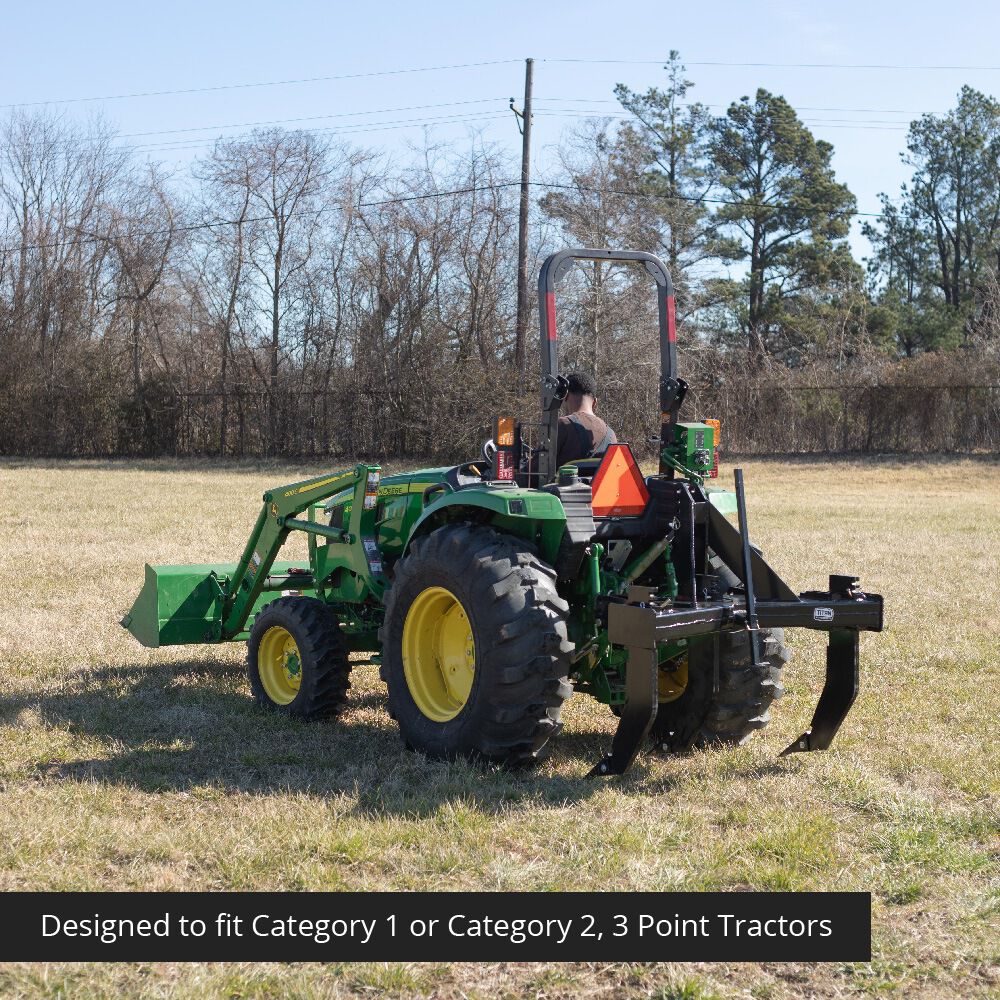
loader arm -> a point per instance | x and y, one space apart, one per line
277 518
181 605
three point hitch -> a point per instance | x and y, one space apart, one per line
641 626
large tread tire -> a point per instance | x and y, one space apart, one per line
326 668
522 652
741 706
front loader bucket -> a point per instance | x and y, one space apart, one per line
180 605
177 605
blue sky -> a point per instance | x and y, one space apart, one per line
61 51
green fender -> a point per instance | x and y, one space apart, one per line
535 516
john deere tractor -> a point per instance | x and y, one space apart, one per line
489 592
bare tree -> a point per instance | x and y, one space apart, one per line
141 234
285 174
220 254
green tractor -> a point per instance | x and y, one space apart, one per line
490 591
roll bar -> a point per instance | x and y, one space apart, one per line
554 385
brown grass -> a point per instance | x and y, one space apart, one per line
123 768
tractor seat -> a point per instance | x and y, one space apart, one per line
588 466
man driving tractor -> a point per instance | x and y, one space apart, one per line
582 433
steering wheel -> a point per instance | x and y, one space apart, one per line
489 451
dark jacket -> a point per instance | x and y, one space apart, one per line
582 435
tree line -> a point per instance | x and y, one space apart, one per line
291 294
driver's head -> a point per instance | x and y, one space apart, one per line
582 392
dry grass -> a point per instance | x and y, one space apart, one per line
123 768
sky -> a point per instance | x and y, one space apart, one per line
64 55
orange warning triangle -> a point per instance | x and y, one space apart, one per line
618 487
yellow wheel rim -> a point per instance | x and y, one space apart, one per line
439 654
279 665
673 679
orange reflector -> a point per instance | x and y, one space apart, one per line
618 487
716 426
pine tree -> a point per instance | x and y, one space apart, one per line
786 214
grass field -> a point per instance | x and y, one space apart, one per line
123 768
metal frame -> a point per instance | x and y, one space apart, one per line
554 386
641 625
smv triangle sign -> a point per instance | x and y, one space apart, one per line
618 487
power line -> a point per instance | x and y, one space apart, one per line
90 140
196 142
399 200
491 62
200 142
878 66
798 107
679 197
182 145
183 130
313 118
266 83
821 122
215 224
866 111
773 65
865 124
860 123
500 185
376 126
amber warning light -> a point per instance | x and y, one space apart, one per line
505 462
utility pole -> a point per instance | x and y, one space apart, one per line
523 301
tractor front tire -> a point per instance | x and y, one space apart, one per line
297 662
475 649
700 717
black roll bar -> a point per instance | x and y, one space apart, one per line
672 389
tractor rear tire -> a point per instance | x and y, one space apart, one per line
475 649
741 706
297 661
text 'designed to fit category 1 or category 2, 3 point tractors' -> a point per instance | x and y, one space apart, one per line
490 591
